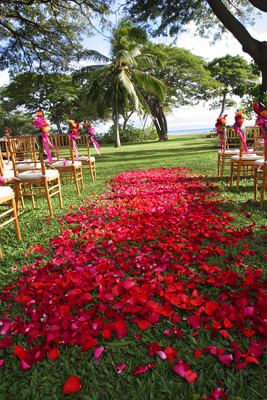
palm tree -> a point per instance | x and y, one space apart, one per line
118 83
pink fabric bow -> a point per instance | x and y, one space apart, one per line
91 132
262 122
238 130
74 136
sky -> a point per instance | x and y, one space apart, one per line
188 117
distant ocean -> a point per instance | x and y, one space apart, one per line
188 131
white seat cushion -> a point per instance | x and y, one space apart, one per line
68 163
8 174
53 159
28 166
86 158
8 167
247 157
229 152
259 162
6 162
5 191
37 174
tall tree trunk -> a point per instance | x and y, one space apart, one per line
116 120
56 120
126 119
159 119
223 103
256 49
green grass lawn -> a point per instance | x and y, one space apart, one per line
45 380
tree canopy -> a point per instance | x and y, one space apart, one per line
170 17
54 93
187 81
235 74
45 33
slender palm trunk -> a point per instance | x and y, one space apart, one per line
116 119
223 103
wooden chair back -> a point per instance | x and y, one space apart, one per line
63 145
25 150
231 139
83 142
4 149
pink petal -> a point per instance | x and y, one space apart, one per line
2 363
190 376
140 370
194 321
162 355
226 359
6 328
121 367
167 332
217 393
24 366
179 369
98 351
241 365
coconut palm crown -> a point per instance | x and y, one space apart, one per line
117 84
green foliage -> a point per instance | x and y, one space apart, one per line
167 17
54 93
45 34
236 77
130 134
19 123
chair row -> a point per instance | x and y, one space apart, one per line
28 170
247 156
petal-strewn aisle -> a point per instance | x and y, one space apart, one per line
155 261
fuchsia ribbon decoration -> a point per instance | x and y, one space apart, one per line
1 181
262 122
221 139
47 142
73 136
91 132
238 130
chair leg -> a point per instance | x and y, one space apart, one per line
76 181
232 174
48 198
238 175
95 171
81 172
1 254
222 167
91 170
255 184
218 165
16 218
32 196
264 182
59 193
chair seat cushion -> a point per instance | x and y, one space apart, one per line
259 162
86 158
6 162
5 191
53 159
37 174
8 174
247 157
68 163
8 167
229 152
28 166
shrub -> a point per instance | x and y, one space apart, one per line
131 134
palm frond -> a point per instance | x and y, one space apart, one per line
150 83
